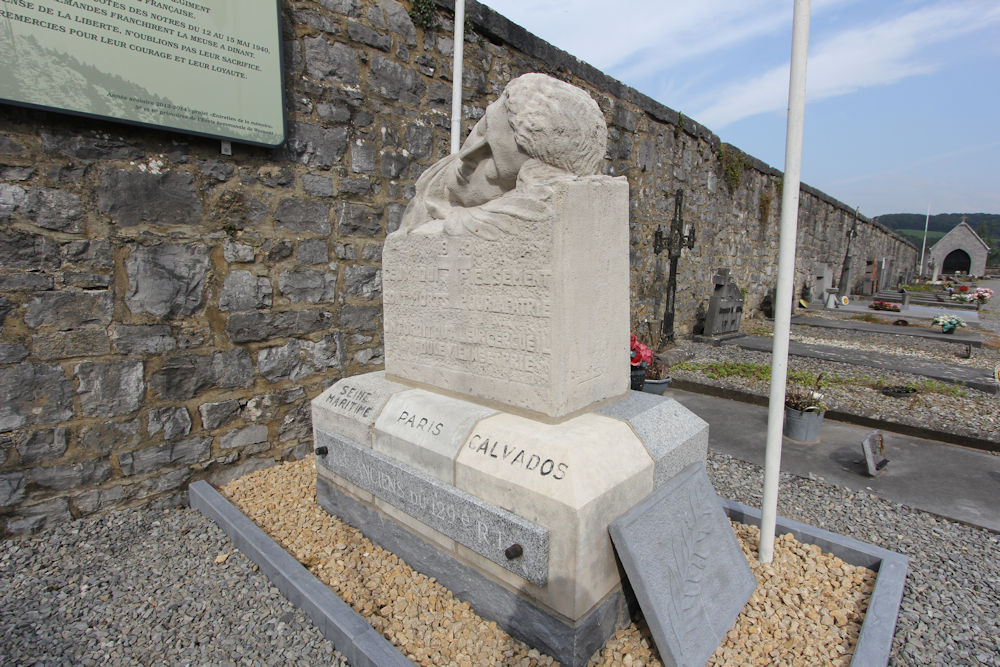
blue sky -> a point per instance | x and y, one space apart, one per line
903 96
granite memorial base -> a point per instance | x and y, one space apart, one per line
510 513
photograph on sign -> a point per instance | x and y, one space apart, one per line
208 67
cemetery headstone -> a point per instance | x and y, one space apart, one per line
501 440
725 307
874 448
822 281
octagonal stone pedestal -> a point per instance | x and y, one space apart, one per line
509 513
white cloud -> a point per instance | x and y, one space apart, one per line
876 54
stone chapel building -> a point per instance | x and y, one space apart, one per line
960 251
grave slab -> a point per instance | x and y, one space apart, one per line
689 574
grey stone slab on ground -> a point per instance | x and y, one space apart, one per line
958 338
685 565
486 529
349 632
879 625
962 375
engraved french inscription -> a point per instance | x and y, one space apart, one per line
484 528
518 457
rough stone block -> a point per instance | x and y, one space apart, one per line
184 377
398 20
167 280
299 358
32 518
26 251
214 415
216 170
688 573
234 252
109 389
174 453
131 197
12 198
330 62
101 438
242 290
308 286
364 282
12 488
29 282
252 327
362 157
425 430
85 342
41 446
535 318
96 145
53 208
313 251
12 354
143 339
315 146
173 422
67 310
242 437
33 394
359 318
92 253
351 406
395 82
303 215
359 32
72 476
317 186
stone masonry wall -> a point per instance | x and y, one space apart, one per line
167 312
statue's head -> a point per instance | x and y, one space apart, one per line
536 117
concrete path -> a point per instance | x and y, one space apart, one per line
972 377
947 480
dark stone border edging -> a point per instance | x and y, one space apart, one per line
362 645
351 634
970 441
879 626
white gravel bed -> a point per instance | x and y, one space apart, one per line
975 414
146 587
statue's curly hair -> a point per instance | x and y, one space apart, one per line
556 123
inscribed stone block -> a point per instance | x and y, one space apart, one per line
351 406
573 478
426 430
536 319
688 573
485 528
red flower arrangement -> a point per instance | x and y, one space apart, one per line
641 355
963 288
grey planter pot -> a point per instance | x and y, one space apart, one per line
803 425
656 386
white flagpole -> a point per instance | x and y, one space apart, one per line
923 247
786 275
456 71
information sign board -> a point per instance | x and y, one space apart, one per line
207 67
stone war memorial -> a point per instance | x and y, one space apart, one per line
501 441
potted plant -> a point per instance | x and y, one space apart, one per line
804 410
948 323
640 357
657 378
